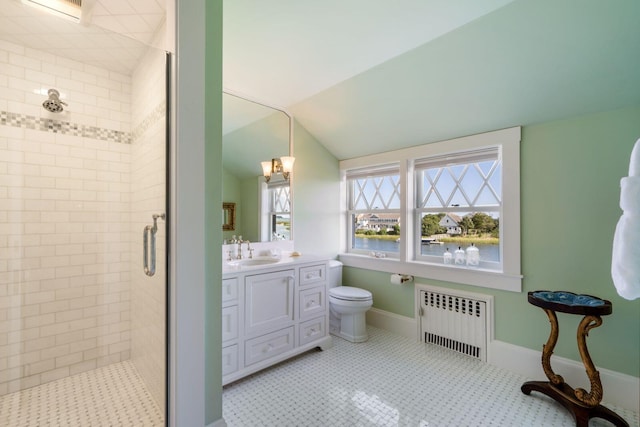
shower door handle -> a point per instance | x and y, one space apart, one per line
149 246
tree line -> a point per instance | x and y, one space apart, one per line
476 223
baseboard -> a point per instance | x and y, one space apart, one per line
218 423
619 389
401 325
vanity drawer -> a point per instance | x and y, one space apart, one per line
311 302
229 289
312 330
229 359
312 274
269 345
229 323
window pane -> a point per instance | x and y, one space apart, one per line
280 201
376 232
442 231
461 185
281 227
379 192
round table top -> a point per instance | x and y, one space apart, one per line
568 302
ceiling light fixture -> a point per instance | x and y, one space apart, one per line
67 9
282 166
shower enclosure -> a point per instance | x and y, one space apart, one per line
83 173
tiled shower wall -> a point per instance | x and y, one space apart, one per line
65 238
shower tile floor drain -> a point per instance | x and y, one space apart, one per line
113 395
390 380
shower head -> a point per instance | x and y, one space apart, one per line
53 104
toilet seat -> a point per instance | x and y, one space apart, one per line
349 293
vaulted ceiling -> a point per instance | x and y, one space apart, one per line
366 77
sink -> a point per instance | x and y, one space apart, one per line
253 261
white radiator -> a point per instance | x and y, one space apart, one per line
456 322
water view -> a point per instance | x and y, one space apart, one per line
487 252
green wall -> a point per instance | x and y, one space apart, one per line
213 212
570 174
249 227
316 189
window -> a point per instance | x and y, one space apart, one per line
411 206
458 205
278 211
374 210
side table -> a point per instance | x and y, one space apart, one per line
582 404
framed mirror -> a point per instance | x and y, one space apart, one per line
228 216
252 133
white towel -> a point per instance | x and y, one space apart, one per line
625 261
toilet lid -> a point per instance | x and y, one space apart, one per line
349 293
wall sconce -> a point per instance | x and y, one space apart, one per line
283 166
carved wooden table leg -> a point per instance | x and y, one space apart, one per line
582 404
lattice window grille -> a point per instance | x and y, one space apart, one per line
280 199
470 185
369 193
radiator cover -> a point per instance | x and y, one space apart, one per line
458 322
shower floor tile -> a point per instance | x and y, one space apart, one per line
114 395
390 380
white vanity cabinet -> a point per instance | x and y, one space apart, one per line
272 313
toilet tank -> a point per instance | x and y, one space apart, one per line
335 273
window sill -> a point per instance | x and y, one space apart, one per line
474 277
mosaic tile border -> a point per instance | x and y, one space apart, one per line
67 128
157 114
63 127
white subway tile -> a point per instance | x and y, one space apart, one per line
68 293
69 63
68 359
53 307
39 298
70 271
58 150
39 367
55 374
23 358
83 367
54 171
44 78
39 158
12 47
54 351
54 284
18 312
11 70
39 55
39 344
55 194
83 344
68 337
23 84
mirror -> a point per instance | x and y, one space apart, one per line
228 216
251 133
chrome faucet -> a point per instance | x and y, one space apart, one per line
240 242
239 255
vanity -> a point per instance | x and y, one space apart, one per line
273 308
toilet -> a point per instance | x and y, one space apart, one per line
347 306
